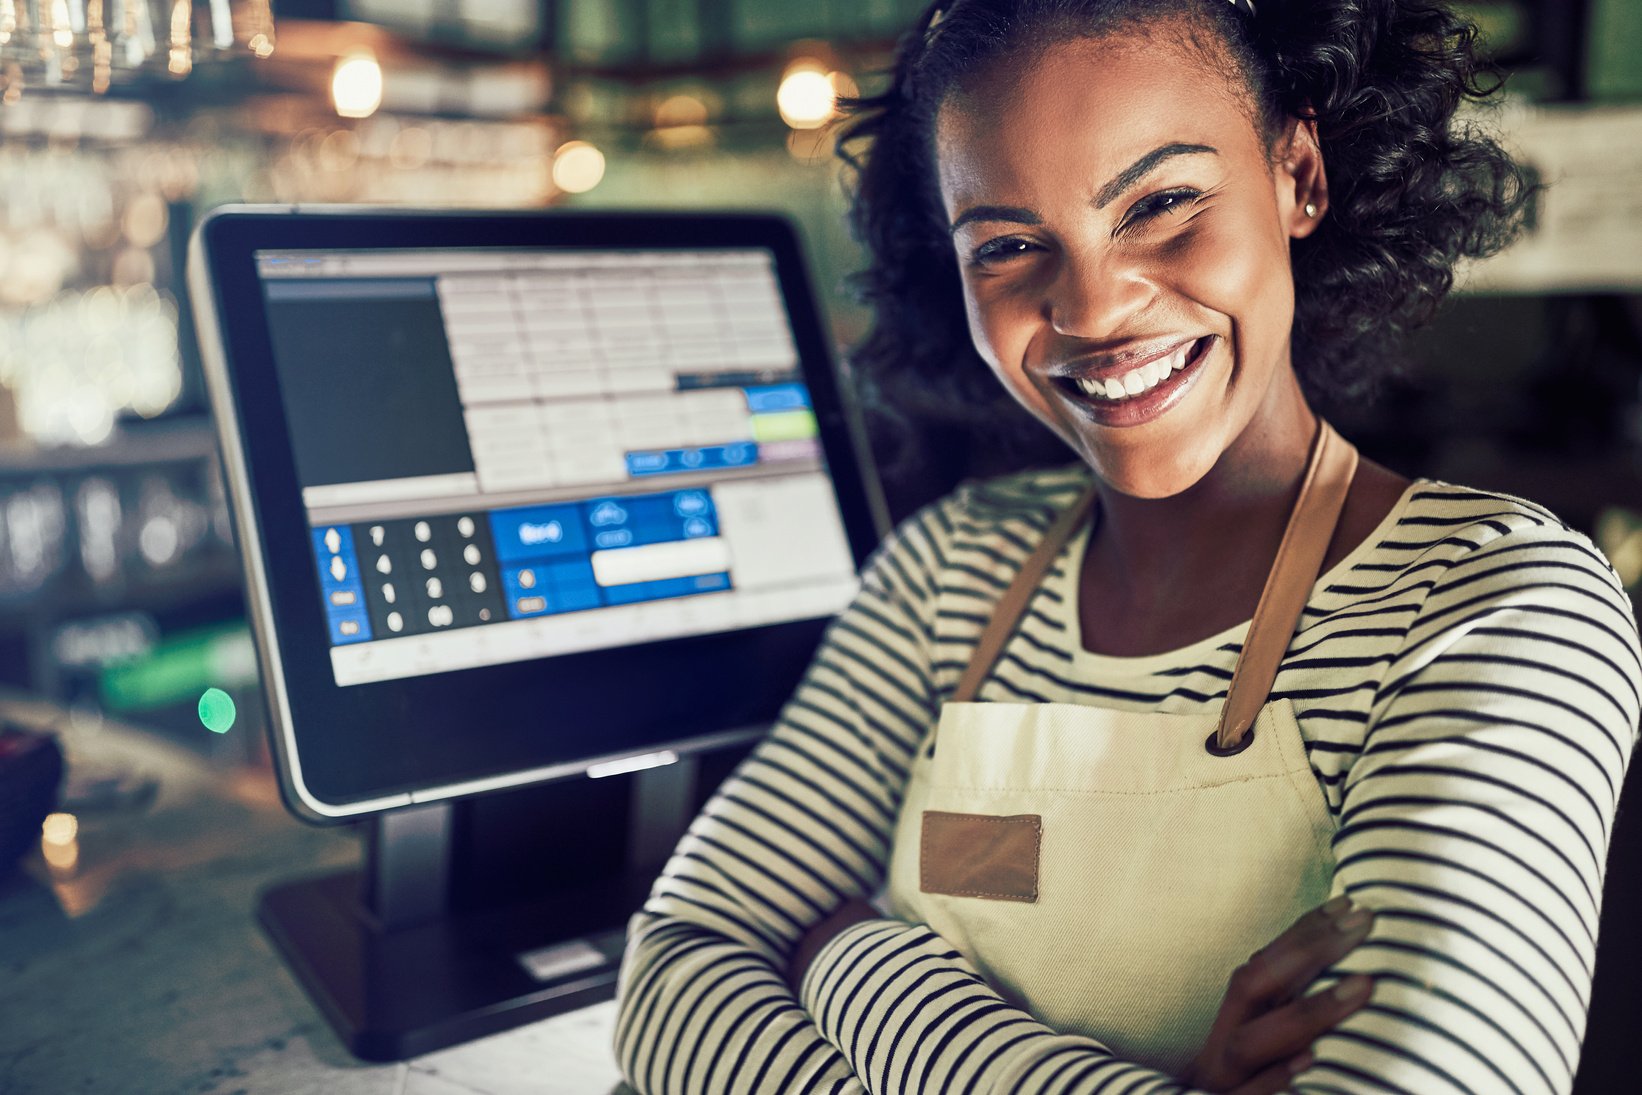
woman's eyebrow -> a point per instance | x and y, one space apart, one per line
1012 213
1108 193
1142 167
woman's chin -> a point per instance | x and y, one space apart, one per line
1151 487
1141 475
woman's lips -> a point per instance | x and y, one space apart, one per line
1138 394
1117 366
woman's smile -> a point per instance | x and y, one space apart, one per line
1137 390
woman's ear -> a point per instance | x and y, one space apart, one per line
1302 180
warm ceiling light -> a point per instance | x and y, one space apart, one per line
356 85
59 829
806 97
680 122
680 110
577 167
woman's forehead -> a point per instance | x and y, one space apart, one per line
1095 102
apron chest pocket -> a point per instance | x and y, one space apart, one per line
980 855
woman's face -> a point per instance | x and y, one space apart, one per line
1123 238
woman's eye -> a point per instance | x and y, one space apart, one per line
1168 201
998 251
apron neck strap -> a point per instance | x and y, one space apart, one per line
1329 471
1012 605
1299 562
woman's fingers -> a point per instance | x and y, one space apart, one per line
1263 1022
1284 967
1290 1029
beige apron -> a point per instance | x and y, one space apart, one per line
1108 870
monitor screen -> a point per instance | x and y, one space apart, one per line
607 447
523 495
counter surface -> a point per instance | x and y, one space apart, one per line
131 961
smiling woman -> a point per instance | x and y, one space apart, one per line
1092 241
1376 83
1220 759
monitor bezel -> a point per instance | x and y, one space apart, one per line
404 726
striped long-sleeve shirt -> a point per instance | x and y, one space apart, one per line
1466 682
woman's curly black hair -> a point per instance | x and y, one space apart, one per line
1411 192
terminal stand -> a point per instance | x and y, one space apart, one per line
402 962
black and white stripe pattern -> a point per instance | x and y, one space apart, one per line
1467 685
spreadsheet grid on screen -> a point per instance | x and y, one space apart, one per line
509 454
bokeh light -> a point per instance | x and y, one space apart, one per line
806 97
60 842
59 829
356 85
577 167
217 711
681 110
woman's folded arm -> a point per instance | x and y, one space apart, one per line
910 1014
1475 823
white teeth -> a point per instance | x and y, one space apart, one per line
1138 381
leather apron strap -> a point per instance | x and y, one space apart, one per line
1299 562
1329 471
1007 613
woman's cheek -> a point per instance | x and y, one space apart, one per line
989 327
1001 327
1240 273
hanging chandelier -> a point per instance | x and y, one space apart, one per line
93 44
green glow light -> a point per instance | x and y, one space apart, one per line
217 711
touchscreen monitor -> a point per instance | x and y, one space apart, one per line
523 494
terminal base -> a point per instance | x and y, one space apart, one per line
396 993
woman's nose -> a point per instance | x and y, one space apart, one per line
1092 297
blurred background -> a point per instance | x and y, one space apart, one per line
123 121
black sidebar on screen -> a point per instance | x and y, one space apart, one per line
366 377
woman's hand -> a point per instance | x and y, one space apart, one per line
848 914
1262 1035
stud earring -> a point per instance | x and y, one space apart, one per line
1311 209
